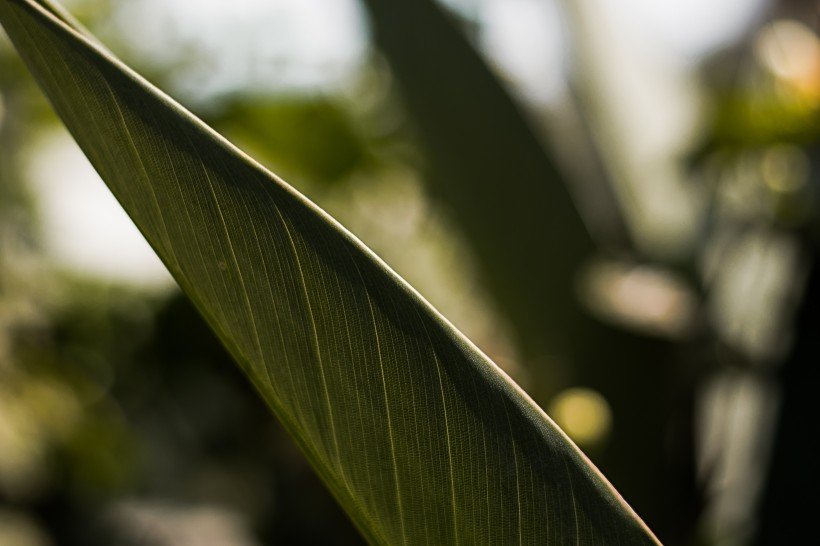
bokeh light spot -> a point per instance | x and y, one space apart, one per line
785 168
583 414
791 51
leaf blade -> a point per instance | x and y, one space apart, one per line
419 436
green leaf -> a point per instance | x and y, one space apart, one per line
419 436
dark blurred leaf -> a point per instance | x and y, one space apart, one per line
516 210
493 173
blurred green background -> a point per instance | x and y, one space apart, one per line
618 204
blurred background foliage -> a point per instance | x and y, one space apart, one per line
621 212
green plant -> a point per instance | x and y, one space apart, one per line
420 438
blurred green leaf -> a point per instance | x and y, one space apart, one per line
311 138
741 121
416 433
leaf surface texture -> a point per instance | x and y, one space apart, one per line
419 436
